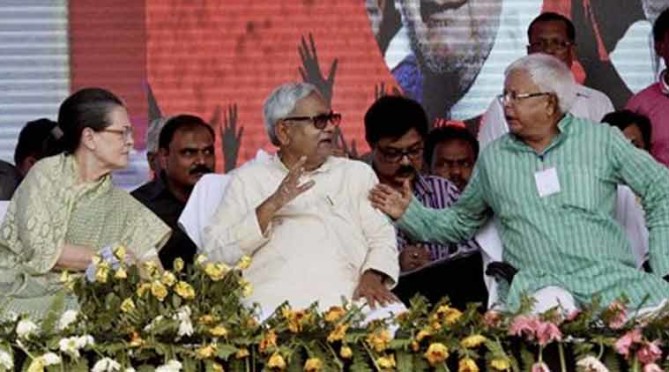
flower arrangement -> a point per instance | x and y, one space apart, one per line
134 318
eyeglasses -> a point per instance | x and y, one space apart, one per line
319 121
396 155
126 132
513 97
552 44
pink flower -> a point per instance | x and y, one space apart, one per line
573 315
652 367
540 367
492 318
548 332
524 325
649 352
619 315
624 343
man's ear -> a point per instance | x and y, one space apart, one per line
162 157
282 131
553 105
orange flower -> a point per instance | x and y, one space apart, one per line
269 341
379 340
436 353
276 361
313 365
467 365
334 313
338 333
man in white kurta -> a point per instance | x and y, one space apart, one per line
323 245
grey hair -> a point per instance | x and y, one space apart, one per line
550 75
281 102
153 133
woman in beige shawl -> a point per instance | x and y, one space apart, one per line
66 208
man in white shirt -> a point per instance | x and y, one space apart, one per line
553 34
303 215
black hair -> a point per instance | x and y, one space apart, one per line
34 140
394 116
661 26
553 17
87 108
448 133
181 122
624 118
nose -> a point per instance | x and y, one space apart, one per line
404 160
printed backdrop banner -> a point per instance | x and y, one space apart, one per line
221 58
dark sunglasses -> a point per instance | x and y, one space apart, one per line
319 121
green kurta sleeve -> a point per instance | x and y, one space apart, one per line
457 223
650 181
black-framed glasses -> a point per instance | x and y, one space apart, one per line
126 132
395 155
513 97
319 121
551 44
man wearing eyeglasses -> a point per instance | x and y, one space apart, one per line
552 184
395 129
303 216
553 34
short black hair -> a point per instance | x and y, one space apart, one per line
34 140
87 108
392 117
181 122
661 25
624 118
448 133
553 17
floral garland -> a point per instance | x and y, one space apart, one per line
140 318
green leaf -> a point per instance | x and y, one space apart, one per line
404 361
224 351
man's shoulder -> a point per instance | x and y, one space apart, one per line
592 94
434 185
641 97
146 192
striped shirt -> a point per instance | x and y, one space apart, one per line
438 193
569 238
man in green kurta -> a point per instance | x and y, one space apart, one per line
552 183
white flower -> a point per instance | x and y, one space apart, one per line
185 324
6 361
26 328
50 359
85 340
592 364
106 365
153 323
66 319
171 366
70 345
129 369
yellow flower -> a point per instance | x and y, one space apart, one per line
206 319
217 367
127 305
244 263
346 352
422 334
178 265
96 259
37 365
158 290
313 365
102 272
206 351
200 259
334 313
297 319
269 341
120 252
467 365
379 340
448 314
136 340
216 271
500 364
218 331
338 333
121 273
151 268
67 280
184 290
242 353
436 353
386 362
247 288
472 341
143 288
276 361
168 279
415 346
